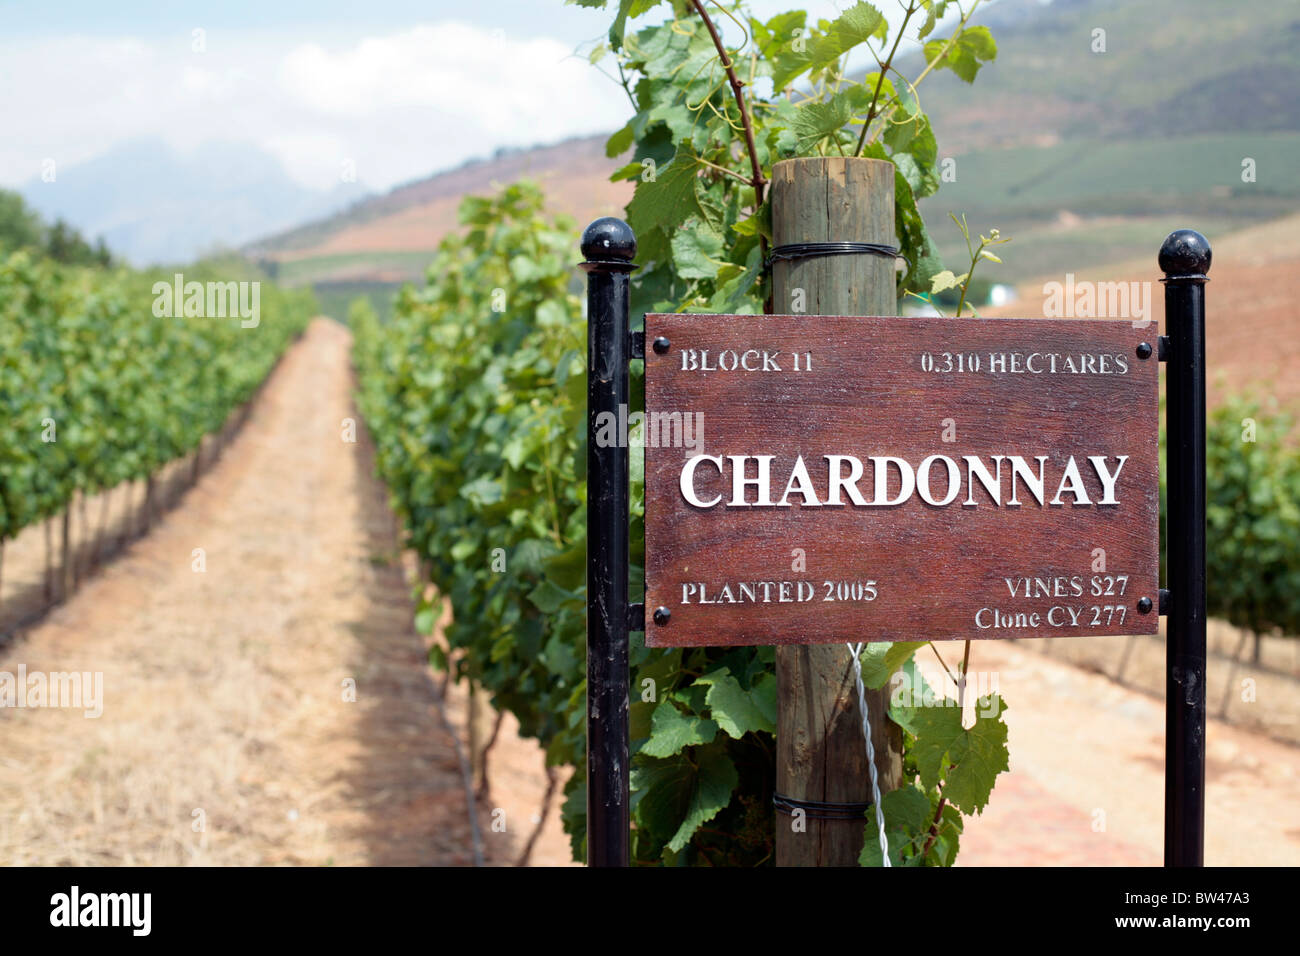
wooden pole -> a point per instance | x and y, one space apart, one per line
476 721
49 559
148 503
105 508
66 582
820 751
84 514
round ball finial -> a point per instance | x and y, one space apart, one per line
1185 253
609 239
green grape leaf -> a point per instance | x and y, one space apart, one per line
653 679
715 780
814 121
676 796
966 761
620 142
942 281
627 9
697 251
908 815
739 711
483 491
549 598
880 659
733 290
980 755
671 730
675 195
856 25
973 48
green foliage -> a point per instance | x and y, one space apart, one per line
963 288
966 760
1252 516
479 419
95 389
64 244
22 228
921 830
948 769
700 224
880 661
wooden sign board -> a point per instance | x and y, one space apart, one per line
813 479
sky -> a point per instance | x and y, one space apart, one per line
385 91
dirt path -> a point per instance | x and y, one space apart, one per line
225 736
1086 786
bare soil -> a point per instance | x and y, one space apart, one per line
1086 785
575 176
1251 321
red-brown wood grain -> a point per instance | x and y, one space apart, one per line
866 394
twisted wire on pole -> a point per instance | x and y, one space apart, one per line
856 651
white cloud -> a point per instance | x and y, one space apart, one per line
446 90
399 105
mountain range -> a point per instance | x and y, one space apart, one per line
152 204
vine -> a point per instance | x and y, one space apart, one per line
98 388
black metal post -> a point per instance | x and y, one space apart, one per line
1185 260
609 247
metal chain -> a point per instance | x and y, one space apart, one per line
856 651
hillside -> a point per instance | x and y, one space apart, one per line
1169 68
1082 157
379 243
1250 304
